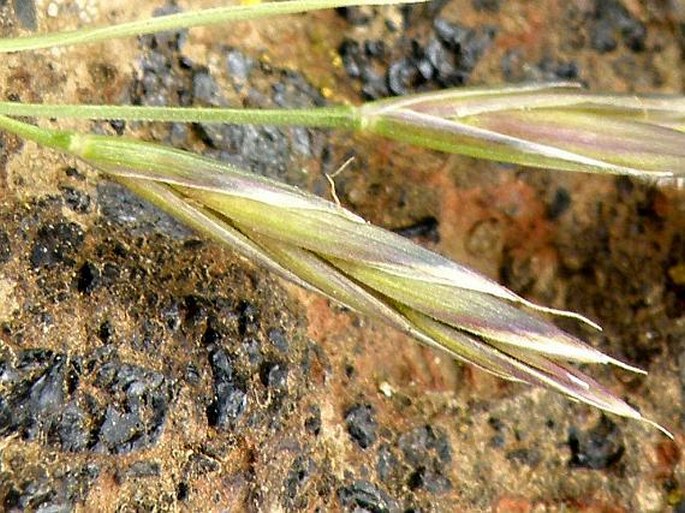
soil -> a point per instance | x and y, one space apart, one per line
143 368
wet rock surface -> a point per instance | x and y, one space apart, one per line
143 369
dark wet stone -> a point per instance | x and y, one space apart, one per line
5 247
597 448
352 58
5 416
222 368
33 495
293 90
76 200
78 481
56 244
364 496
8 374
404 76
498 441
274 375
361 424
362 66
87 278
26 13
252 349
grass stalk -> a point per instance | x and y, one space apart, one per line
320 245
183 20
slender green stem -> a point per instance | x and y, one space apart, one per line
181 21
57 139
344 117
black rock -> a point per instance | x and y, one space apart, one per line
56 244
120 430
182 491
486 5
5 247
598 448
274 375
424 444
611 21
560 203
122 207
248 318
530 457
238 66
140 469
277 337
205 90
388 464
357 16
298 475
71 431
364 496
25 11
361 424
230 396
36 400
313 422
88 278
428 453
76 200
229 405
136 415
428 479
